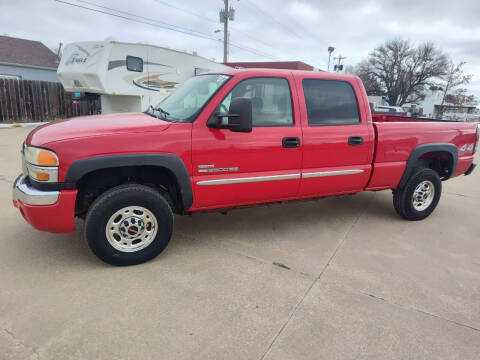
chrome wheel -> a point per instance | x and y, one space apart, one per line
131 229
423 195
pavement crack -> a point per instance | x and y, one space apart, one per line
297 305
458 194
17 341
2 178
374 296
462 195
414 309
283 266
249 256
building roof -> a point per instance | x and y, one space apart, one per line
26 52
288 65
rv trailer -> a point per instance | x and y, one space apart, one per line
128 77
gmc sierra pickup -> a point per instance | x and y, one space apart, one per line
237 138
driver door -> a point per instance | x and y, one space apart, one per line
233 168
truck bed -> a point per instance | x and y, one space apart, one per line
389 117
397 136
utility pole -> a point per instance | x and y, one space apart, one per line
226 14
225 33
330 50
338 67
59 52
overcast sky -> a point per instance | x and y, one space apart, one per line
273 29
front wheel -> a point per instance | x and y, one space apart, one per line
420 195
128 225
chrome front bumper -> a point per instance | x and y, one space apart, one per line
30 196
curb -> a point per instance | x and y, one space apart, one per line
14 125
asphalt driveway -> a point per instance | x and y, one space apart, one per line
335 278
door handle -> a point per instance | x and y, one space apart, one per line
290 142
355 140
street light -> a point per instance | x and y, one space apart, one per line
330 50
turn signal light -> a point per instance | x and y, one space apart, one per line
43 176
47 158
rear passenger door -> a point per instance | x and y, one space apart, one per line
337 138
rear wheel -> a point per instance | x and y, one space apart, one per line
128 225
420 195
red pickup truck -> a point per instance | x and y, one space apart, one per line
237 138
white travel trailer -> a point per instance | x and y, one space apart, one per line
128 77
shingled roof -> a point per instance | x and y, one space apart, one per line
26 52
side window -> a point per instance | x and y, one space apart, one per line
271 101
330 102
134 64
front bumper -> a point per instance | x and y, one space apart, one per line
27 194
52 211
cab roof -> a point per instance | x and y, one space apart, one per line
280 72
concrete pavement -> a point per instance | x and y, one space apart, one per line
335 278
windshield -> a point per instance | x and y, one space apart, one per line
185 102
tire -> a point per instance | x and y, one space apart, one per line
140 230
422 182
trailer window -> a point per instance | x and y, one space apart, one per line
330 102
134 64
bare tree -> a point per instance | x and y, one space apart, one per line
403 71
453 78
371 83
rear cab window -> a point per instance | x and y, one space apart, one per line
330 102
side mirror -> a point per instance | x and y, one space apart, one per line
239 117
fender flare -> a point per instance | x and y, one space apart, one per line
173 163
423 149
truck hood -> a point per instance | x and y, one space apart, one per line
96 125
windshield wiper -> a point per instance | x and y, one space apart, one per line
161 111
165 114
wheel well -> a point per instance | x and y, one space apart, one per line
94 183
440 161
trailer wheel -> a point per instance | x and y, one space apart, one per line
128 225
420 195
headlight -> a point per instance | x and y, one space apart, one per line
41 164
40 157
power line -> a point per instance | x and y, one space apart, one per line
256 7
185 10
232 25
289 28
214 22
159 24
162 25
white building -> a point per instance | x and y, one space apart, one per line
432 106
